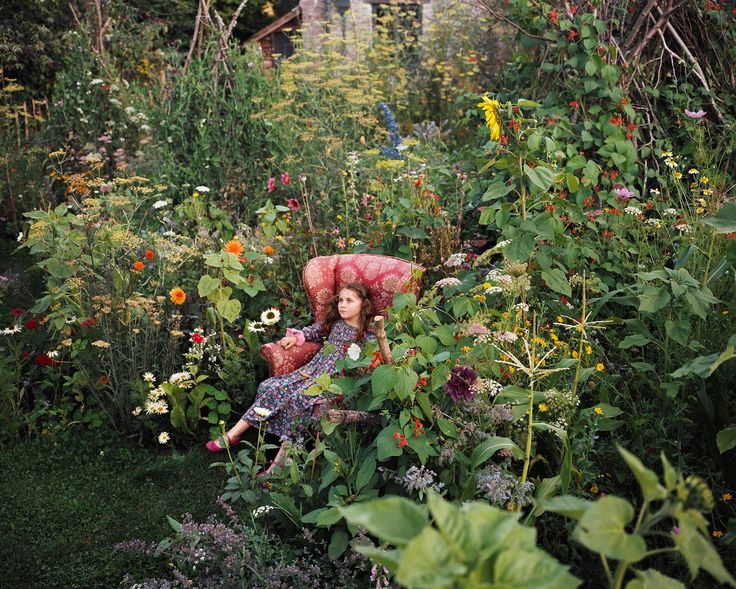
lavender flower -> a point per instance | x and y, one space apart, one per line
500 487
460 384
695 114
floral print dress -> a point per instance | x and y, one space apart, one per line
284 395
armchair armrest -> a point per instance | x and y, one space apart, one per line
281 361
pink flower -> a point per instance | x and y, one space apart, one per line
271 184
285 179
695 115
293 204
624 193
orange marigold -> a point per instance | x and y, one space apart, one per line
268 250
138 266
178 296
234 247
103 380
149 254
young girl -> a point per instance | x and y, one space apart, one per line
280 400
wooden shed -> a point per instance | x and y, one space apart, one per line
274 38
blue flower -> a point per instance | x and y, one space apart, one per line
392 151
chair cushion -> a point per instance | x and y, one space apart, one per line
281 361
324 276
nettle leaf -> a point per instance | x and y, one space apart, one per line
392 519
602 529
648 479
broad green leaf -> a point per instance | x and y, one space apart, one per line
567 505
531 569
726 439
229 309
521 247
427 563
602 529
338 544
386 444
557 281
461 539
387 558
365 473
678 330
540 176
489 447
653 299
382 379
392 519
497 190
653 579
633 340
697 549
491 525
648 479
724 221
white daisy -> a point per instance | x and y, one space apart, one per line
148 377
163 437
270 316
255 327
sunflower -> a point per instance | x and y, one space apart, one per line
270 316
489 107
178 296
234 247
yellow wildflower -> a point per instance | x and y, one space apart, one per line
726 497
575 354
588 350
466 349
598 410
600 367
699 210
489 107
542 407
693 171
677 175
704 179
717 534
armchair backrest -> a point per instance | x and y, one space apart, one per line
324 276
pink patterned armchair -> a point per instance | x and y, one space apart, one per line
325 276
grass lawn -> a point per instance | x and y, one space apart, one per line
66 501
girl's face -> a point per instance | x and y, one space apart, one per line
349 305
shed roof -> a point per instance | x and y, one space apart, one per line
294 13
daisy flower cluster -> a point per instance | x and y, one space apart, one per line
269 317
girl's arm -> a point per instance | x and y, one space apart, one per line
310 333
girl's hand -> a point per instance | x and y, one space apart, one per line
287 342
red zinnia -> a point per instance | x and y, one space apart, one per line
197 338
285 179
149 254
31 324
17 312
293 204
44 360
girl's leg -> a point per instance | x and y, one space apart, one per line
233 435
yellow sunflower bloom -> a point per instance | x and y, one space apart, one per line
489 107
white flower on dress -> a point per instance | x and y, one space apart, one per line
262 412
354 351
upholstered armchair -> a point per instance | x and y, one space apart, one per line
324 276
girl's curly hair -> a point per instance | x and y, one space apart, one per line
332 315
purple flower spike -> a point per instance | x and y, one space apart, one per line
695 115
624 193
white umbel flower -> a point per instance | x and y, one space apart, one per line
354 351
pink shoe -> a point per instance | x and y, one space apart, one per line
214 447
